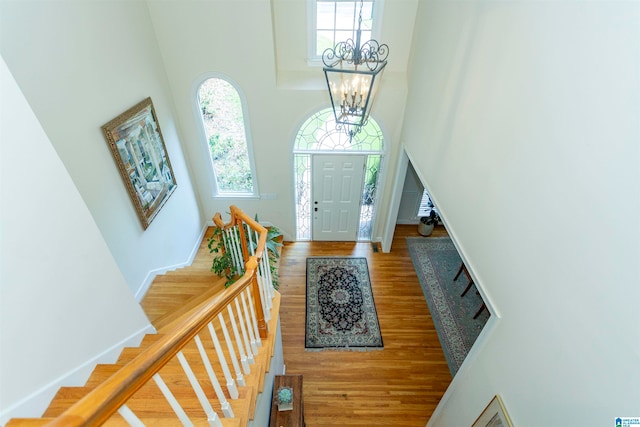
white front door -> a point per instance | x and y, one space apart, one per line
336 192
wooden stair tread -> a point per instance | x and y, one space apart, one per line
148 403
187 288
170 320
67 396
102 372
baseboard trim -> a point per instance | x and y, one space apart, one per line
37 402
146 283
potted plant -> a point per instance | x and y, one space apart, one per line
274 240
284 399
425 227
222 263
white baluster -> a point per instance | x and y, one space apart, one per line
267 269
231 385
231 244
245 335
264 270
261 287
239 343
182 416
266 288
265 253
232 351
226 407
250 329
254 320
228 246
130 417
212 417
249 230
238 246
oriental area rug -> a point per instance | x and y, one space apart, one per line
340 312
437 262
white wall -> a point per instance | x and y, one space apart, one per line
411 196
63 301
79 65
236 40
523 121
232 39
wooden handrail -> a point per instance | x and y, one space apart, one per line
102 402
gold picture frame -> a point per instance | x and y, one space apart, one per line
138 149
494 415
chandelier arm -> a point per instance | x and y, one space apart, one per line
343 51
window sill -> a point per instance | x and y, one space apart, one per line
235 196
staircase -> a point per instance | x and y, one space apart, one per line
213 354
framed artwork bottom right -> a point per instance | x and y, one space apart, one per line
494 415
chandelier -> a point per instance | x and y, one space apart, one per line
351 69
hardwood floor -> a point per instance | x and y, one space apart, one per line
176 292
397 386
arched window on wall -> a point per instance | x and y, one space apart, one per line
317 135
225 128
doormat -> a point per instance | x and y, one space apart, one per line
340 313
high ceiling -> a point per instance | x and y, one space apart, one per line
290 30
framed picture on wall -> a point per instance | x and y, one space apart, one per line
494 415
137 146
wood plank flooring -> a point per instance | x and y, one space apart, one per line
397 386
176 292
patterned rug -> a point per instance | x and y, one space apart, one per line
341 313
436 261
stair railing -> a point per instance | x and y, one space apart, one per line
241 238
244 304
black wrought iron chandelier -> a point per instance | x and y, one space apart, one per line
351 69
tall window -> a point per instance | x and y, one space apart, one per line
336 21
225 130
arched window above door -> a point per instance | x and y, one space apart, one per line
319 133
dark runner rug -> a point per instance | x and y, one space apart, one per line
437 261
341 313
